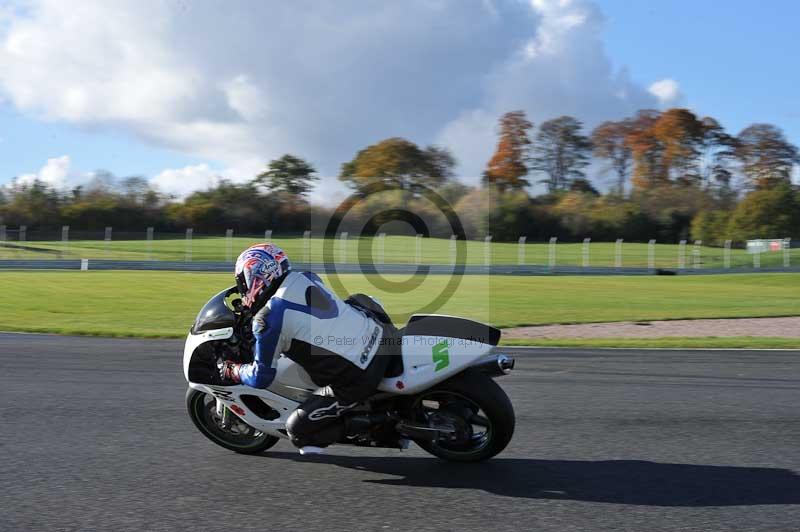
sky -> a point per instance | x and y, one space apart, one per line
184 91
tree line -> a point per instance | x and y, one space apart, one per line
668 175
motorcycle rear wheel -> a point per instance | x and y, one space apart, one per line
240 437
481 408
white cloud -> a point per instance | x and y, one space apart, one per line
56 173
241 82
182 181
667 90
562 69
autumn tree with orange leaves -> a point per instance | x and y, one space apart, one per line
609 143
507 168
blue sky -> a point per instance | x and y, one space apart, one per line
143 91
737 61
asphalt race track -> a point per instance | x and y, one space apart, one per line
95 437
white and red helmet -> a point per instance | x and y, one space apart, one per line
258 270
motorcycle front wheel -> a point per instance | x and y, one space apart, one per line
477 407
236 436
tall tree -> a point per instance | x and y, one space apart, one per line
716 154
679 134
288 174
666 148
767 157
647 167
507 167
561 152
399 159
608 142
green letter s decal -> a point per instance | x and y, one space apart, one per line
441 357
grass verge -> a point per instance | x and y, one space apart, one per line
164 304
730 342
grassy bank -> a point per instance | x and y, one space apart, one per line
164 304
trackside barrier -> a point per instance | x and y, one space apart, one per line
696 256
381 247
585 252
107 240
189 233
306 246
229 245
405 269
149 243
787 246
727 257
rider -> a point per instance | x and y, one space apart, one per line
342 345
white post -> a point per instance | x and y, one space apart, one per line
2 233
651 254
453 253
787 247
64 239
585 252
149 243
521 250
189 233
618 253
343 246
696 257
306 246
681 254
487 250
757 260
268 235
381 247
84 265
418 249
229 245
107 239
727 255
551 252
23 229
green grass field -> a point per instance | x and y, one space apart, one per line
397 249
164 304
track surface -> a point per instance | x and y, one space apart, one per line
94 436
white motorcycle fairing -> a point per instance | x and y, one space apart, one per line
428 359
290 380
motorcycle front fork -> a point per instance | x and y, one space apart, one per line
223 414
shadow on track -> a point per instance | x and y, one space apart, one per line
613 481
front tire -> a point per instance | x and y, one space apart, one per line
244 439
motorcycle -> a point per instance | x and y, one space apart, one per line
438 392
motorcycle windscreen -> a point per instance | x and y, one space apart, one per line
215 314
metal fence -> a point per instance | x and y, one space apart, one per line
550 255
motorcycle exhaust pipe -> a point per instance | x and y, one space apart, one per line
495 365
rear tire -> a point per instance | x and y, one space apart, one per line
202 415
482 391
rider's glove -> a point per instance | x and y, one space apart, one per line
229 371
